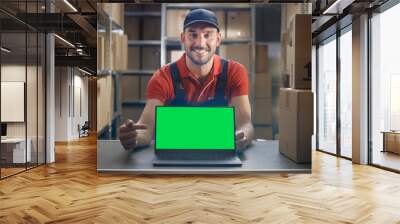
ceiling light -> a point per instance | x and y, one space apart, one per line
71 6
65 41
5 50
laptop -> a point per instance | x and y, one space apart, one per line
195 136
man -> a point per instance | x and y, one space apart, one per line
198 78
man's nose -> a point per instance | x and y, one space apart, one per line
201 41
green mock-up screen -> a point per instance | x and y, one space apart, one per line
195 128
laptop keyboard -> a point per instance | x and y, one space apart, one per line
194 156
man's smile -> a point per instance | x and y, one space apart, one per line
201 51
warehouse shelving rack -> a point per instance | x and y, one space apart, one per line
105 27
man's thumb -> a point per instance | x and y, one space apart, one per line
130 123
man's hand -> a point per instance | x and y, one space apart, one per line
128 134
241 140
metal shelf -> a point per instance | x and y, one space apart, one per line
104 72
154 14
220 6
138 72
236 41
176 42
135 43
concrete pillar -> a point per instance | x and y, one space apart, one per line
360 90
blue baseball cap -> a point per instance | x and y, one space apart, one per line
200 16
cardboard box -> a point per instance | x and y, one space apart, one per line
295 124
100 52
299 52
151 28
262 111
120 52
261 58
237 52
133 58
132 27
263 85
284 49
303 80
262 132
130 88
176 17
239 25
118 13
150 58
221 23
290 10
124 53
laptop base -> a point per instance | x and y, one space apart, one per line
226 162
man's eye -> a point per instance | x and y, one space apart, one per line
206 35
193 35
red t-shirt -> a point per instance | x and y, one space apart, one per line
161 86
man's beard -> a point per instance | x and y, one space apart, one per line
199 62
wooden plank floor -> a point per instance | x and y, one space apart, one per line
71 191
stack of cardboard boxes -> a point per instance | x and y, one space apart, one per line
114 59
262 104
119 52
296 102
111 55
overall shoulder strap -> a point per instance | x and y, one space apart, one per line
173 67
222 80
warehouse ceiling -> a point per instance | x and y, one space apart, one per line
73 21
333 15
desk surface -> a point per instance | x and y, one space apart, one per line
262 157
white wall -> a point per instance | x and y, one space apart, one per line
71 87
80 94
33 126
13 73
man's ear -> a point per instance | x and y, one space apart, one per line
182 37
219 38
